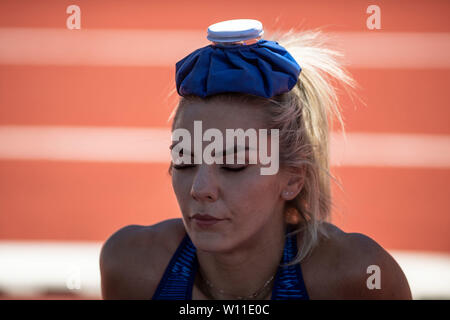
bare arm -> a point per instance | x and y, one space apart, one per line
119 265
371 272
133 260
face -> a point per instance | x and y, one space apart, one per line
245 204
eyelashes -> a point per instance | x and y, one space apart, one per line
230 169
178 167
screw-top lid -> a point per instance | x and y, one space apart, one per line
235 31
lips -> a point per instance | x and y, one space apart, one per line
205 220
204 217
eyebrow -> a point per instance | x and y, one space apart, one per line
235 149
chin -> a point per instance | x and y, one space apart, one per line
210 241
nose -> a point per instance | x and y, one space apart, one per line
204 186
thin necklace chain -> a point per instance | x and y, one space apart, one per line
222 292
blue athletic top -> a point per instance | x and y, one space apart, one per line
178 278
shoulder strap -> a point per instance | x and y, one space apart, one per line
289 282
178 278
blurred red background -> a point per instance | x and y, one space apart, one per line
97 78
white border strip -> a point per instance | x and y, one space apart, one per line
85 144
390 150
114 144
30 268
121 47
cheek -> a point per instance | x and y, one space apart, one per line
256 197
181 184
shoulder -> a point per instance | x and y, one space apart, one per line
357 267
133 259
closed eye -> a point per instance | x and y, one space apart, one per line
230 169
186 166
234 169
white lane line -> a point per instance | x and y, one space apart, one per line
390 150
97 47
85 144
33 267
395 50
140 47
428 274
114 144
28 268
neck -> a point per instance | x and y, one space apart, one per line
244 270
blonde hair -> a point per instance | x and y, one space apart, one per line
304 117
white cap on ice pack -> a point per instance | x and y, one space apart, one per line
235 31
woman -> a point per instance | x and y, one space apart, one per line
244 234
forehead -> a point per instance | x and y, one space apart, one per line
221 115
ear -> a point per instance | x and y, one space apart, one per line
294 183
